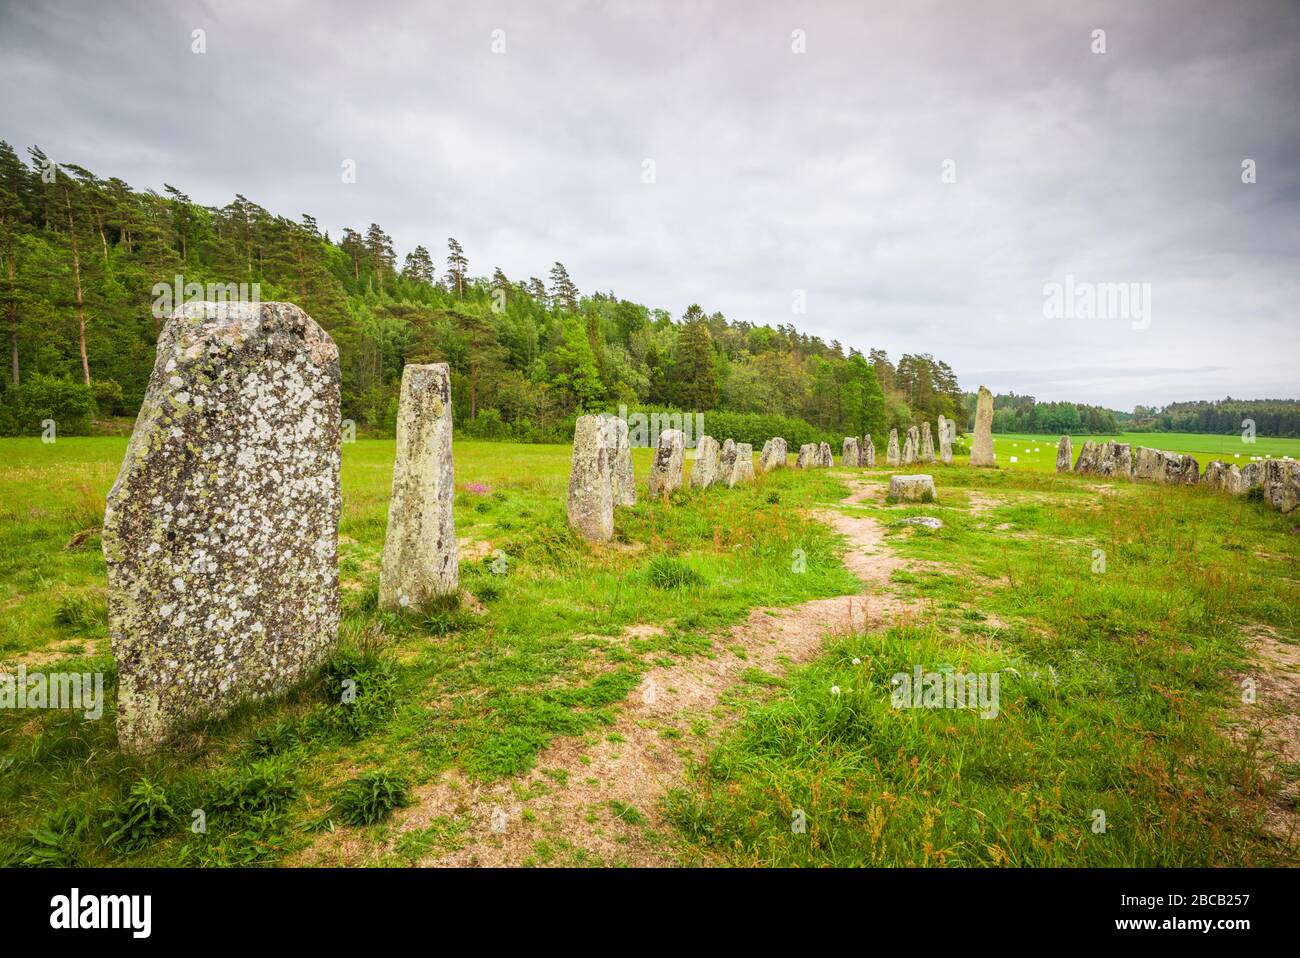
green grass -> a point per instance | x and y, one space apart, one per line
1113 688
481 688
541 649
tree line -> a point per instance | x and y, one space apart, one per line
81 256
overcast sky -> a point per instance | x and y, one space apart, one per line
775 171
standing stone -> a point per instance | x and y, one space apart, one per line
1281 481
914 439
706 469
420 562
1188 471
1064 454
666 473
807 456
981 450
909 448
852 454
591 478
891 453
742 465
824 457
774 455
868 451
221 531
624 479
1114 460
1225 477
1148 464
927 443
1088 455
947 433
727 459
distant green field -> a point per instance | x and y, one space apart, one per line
1038 453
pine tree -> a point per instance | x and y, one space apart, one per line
379 247
695 379
563 293
419 266
457 266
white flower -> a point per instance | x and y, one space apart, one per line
835 690
857 661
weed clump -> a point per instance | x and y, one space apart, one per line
361 688
142 818
370 798
670 572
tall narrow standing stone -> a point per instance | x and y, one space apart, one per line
807 456
1064 454
825 459
869 451
981 450
666 473
624 480
221 531
705 471
742 465
852 451
891 452
909 448
591 478
420 561
947 431
927 443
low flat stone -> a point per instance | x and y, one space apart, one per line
916 488
930 522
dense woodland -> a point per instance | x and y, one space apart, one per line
80 257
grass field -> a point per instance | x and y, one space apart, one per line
1039 452
1118 687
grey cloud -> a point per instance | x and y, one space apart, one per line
776 171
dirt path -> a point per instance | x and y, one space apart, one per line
575 803
1275 717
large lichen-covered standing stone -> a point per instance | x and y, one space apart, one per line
891 452
666 473
919 488
774 455
742 465
420 560
868 451
591 478
852 454
909 448
705 471
981 450
1064 454
221 531
807 456
947 431
824 457
624 480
